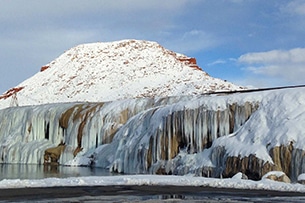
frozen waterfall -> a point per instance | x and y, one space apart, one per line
173 135
140 135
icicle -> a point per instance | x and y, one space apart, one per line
129 136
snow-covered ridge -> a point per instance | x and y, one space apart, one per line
115 70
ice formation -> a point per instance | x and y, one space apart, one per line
212 136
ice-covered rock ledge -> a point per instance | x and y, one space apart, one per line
213 136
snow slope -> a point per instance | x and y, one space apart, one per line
111 71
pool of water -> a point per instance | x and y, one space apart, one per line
119 193
144 193
33 171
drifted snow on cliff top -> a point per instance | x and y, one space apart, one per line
114 70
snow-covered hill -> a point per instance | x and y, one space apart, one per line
111 71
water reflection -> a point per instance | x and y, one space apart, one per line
33 171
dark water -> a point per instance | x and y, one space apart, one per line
33 171
145 193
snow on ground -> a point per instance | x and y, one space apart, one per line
301 177
234 182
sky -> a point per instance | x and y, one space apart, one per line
253 43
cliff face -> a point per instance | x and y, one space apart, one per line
284 158
212 136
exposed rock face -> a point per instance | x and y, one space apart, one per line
282 158
192 62
285 158
277 176
52 155
11 92
251 166
43 68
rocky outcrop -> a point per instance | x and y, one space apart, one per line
10 92
277 176
282 158
52 155
190 62
251 166
43 68
285 158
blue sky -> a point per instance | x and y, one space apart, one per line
249 42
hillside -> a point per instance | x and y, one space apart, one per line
112 71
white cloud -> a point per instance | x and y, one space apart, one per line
296 7
287 65
217 62
140 4
13 10
36 32
44 44
275 56
237 1
190 41
107 20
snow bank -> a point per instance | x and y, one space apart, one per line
154 180
301 177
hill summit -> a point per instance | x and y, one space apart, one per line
114 70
